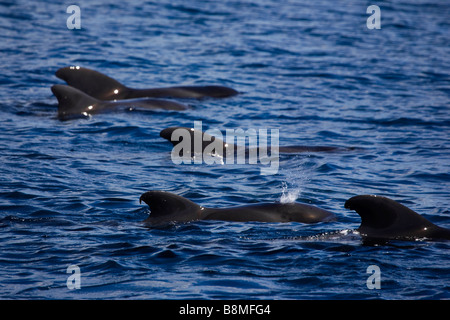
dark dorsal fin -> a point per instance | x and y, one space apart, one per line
205 140
72 102
93 83
382 217
167 207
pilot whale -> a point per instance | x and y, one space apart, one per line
385 219
102 87
73 103
166 207
222 149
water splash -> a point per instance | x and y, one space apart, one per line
289 195
294 185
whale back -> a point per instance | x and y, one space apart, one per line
93 83
384 218
72 102
271 212
102 87
167 207
186 92
228 149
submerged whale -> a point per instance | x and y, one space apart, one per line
73 103
166 207
385 219
102 87
222 149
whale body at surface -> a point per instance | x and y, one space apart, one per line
102 87
223 149
166 207
73 103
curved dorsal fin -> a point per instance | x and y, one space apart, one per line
93 83
72 102
382 217
167 207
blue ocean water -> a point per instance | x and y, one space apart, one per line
69 191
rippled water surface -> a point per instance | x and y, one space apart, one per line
69 191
